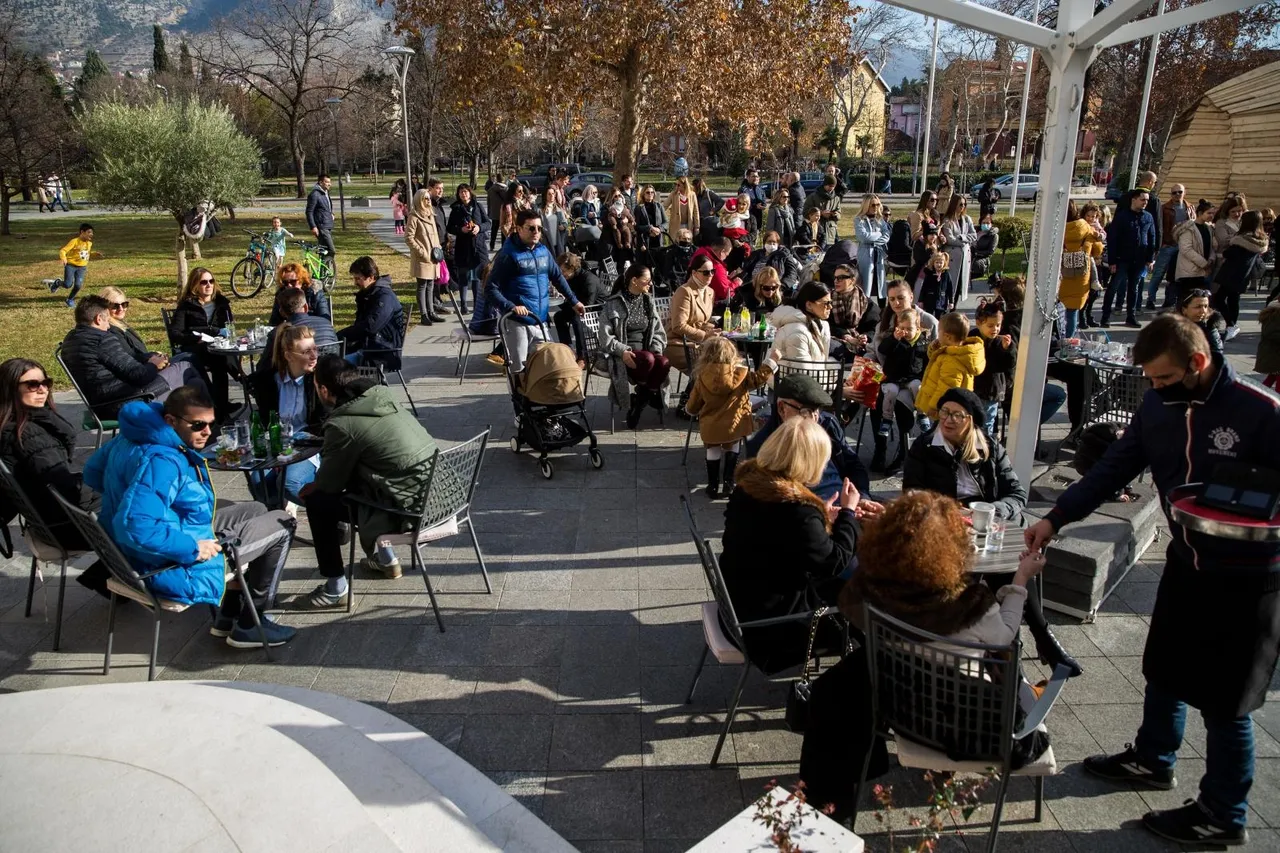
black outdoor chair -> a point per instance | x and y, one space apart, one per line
90 421
466 338
41 540
397 354
938 697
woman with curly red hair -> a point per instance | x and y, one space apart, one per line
913 563
295 275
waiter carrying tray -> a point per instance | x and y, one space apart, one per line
1215 627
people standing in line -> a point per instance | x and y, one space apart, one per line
1081 248
960 235
517 201
426 251
780 219
520 281
1194 264
944 189
988 198
872 230
1173 213
1212 643
496 201
1131 248
926 212
466 225
75 256
682 209
320 214
555 221
1239 259
1226 222
627 188
1098 217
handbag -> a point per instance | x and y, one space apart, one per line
1074 263
443 277
797 716
437 254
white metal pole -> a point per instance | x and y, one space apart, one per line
1067 67
1146 102
1022 121
404 121
928 110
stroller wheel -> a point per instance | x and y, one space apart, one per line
597 458
515 444
545 466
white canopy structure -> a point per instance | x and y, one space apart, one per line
1069 49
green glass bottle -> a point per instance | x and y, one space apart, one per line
273 433
258 437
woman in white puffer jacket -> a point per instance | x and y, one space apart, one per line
803 333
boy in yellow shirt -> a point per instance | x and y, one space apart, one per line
75 260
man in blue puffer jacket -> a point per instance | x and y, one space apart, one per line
1215 628
520 280
158 507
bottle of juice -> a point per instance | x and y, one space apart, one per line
726 323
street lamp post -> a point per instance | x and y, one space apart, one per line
333 104
403 55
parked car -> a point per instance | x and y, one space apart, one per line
810 181
1117 188
603 182
536 179
1028 185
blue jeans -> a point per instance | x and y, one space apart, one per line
1228 770
1070 319
296 476
991 407
1052 400
73 279
1125 286
1166 259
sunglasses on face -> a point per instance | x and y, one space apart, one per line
535 229
769 289
289 281
34 385
206 281
1178 192
705 270
825 303
197 426
844 278
118 306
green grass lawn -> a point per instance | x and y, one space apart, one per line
140 260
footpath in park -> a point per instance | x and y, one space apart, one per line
566 684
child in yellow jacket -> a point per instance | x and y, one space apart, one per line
955 360
75 260
721 398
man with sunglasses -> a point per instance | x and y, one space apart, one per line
107 372
1173 213
158 507
520 280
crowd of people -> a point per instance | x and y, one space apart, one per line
802 528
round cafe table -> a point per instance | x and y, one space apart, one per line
261 466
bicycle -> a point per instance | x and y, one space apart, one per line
255 269
314 257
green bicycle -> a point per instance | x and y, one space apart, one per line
316 258
255 269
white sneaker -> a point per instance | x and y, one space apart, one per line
1232 331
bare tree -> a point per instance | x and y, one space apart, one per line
293 54
876 29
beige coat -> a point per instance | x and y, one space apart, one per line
421 235
690 309
721 398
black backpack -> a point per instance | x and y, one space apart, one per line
899 248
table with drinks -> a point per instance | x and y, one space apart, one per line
255 448
251 344
997 544
750 333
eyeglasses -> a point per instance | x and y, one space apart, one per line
118 306
205 281
34 385
955 416
796 407
536 229
306 353
824 303
198 426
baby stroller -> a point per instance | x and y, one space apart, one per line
550 406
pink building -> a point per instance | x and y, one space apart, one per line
905 116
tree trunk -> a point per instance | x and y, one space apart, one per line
475 168
4 208
299 163
183 272
631 76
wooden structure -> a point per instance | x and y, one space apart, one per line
1230 140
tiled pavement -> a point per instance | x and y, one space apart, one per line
565 685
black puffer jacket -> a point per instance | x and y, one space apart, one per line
105 370
992 384
903 360
43 458
189 321
935 469
132 343
781 260
379 324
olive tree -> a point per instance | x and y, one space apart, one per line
169 156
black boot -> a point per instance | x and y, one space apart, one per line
435 316
906 419
713 478
895 464
877 458
730 463
1051 652
638 401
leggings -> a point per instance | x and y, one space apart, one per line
650 371
1227 300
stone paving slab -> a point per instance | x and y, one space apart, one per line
566 685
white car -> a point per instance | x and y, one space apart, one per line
1028 185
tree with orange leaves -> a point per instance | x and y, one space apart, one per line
665 65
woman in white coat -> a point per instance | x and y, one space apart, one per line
958 229
803 332
872 231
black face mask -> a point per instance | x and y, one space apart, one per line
1178 392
